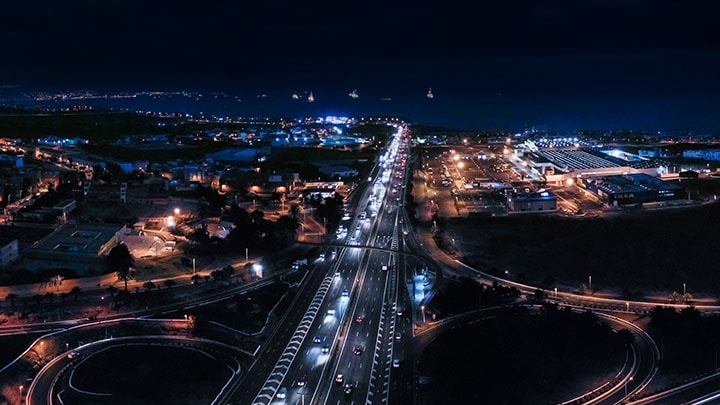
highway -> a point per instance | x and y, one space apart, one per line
355 316
342 321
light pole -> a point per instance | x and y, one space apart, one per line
627 306
626 383
555 292
194 265
422 309
684 290
590 284
246 255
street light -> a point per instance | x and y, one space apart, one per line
193 265
626 383
684 290
422 309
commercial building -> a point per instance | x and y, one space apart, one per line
631 189
81 247
8 252
544 201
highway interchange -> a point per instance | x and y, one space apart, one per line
355 330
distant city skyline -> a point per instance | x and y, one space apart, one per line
500 112
569 65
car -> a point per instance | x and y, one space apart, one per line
322 256
396 363
359 319
317 339
301 381
345 293
357 350
384 267
398 336
339 379
331 311
73 355
399 312
337 274
282 393
326 349
357 227
348 389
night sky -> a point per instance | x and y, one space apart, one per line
491 65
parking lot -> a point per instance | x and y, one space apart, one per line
474 180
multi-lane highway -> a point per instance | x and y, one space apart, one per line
338 342
348 334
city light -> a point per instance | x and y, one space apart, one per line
258 270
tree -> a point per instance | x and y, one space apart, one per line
120 260
294 211
112 290
540 295
287 228
625 336
11 297
195 278
199 235
149 285
75 291
50 297
122 298
169 283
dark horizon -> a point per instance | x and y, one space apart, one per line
647 65
500 112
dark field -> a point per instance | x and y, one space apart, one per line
13 346
636 254
152 375
520 359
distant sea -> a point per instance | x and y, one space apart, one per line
503 112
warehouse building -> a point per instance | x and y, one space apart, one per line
631 189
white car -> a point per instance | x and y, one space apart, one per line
282 393
396 363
